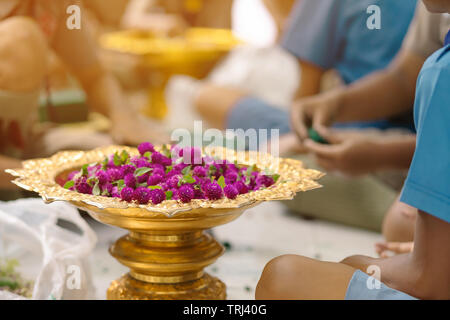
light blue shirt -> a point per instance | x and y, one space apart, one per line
427 187
333 34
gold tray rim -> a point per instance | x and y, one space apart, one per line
39 175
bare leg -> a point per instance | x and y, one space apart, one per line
214 103
399 222
23 55
422 273
293 277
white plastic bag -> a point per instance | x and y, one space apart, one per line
54 257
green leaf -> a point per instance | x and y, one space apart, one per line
119 182
92 181
84 170
275 177
69 184
186 170
124 156
117 160
148 155
221 181
141 171
169 195
168 169
96 190
189 179
105 163
154 187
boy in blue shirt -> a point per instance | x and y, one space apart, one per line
425 272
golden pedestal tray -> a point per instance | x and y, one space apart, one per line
194 54
166 248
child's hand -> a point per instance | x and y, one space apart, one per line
386 249
317 112
350 153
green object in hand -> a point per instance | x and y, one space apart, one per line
315 136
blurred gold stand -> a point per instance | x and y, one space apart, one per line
194 54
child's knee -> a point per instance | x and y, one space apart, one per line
276 276
399 223
23 55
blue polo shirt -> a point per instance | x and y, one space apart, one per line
333 34
427 187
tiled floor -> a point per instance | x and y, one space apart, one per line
261 234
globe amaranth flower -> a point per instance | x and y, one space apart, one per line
127 194
142 195
213 191
114 174
231 177
173 181
146 147
115 192
157 196
102 176
130 180
241 187
82 186
186 193
231 192
158 157
200 171
264 180
127 168
154 179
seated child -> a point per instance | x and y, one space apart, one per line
322 35
422 273
383 94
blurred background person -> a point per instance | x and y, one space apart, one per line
28 31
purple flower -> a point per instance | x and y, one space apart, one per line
264 180
231 177
115 192
142 163
102 176
231 192
173 181
213 191
127 194
154 179
186 193
127 168
114 174
175 194
146 147
130 180
143 178
157 196
200 172
198 193
142 195
158 157
179 167
164 186
82 186
241 187
108 187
